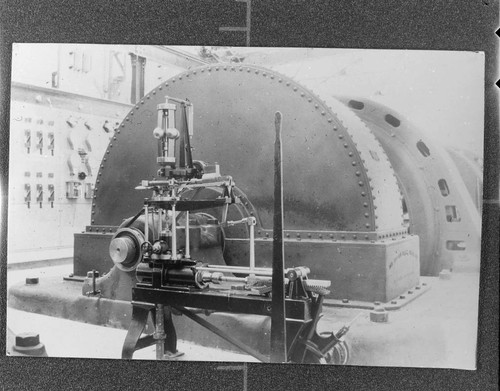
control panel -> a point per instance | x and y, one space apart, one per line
66 102
56 145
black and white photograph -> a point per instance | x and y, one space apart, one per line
243 196
162 187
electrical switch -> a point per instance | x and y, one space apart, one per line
89 190
72 190
27 194
51 196
50 145
27 140
39 141
39 194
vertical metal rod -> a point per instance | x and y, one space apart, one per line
186 252
174 234
252 248
160 124
224 213
170 123
278 318
93 282
159 334
158 226
146 221
133 92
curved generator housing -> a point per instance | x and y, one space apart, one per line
440 208
343 206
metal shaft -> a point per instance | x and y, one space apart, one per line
159 334
236 269
252 250
278 319
146 221
174 234
187 254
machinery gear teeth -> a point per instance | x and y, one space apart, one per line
317 286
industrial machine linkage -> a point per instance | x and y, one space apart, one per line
170 281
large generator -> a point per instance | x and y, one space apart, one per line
369 205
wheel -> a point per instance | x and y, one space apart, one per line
338 355
311 358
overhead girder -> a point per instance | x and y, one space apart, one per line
441 210
336 174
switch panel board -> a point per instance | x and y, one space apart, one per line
57 141
66 101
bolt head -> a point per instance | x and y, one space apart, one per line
379 315
32 280
27 340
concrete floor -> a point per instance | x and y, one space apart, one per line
66 338
438 329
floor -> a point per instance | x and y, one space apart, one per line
438 329
63 338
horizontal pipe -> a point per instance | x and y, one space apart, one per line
242 279
235 269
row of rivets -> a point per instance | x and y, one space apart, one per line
96 229
320 236
316 105
272 77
